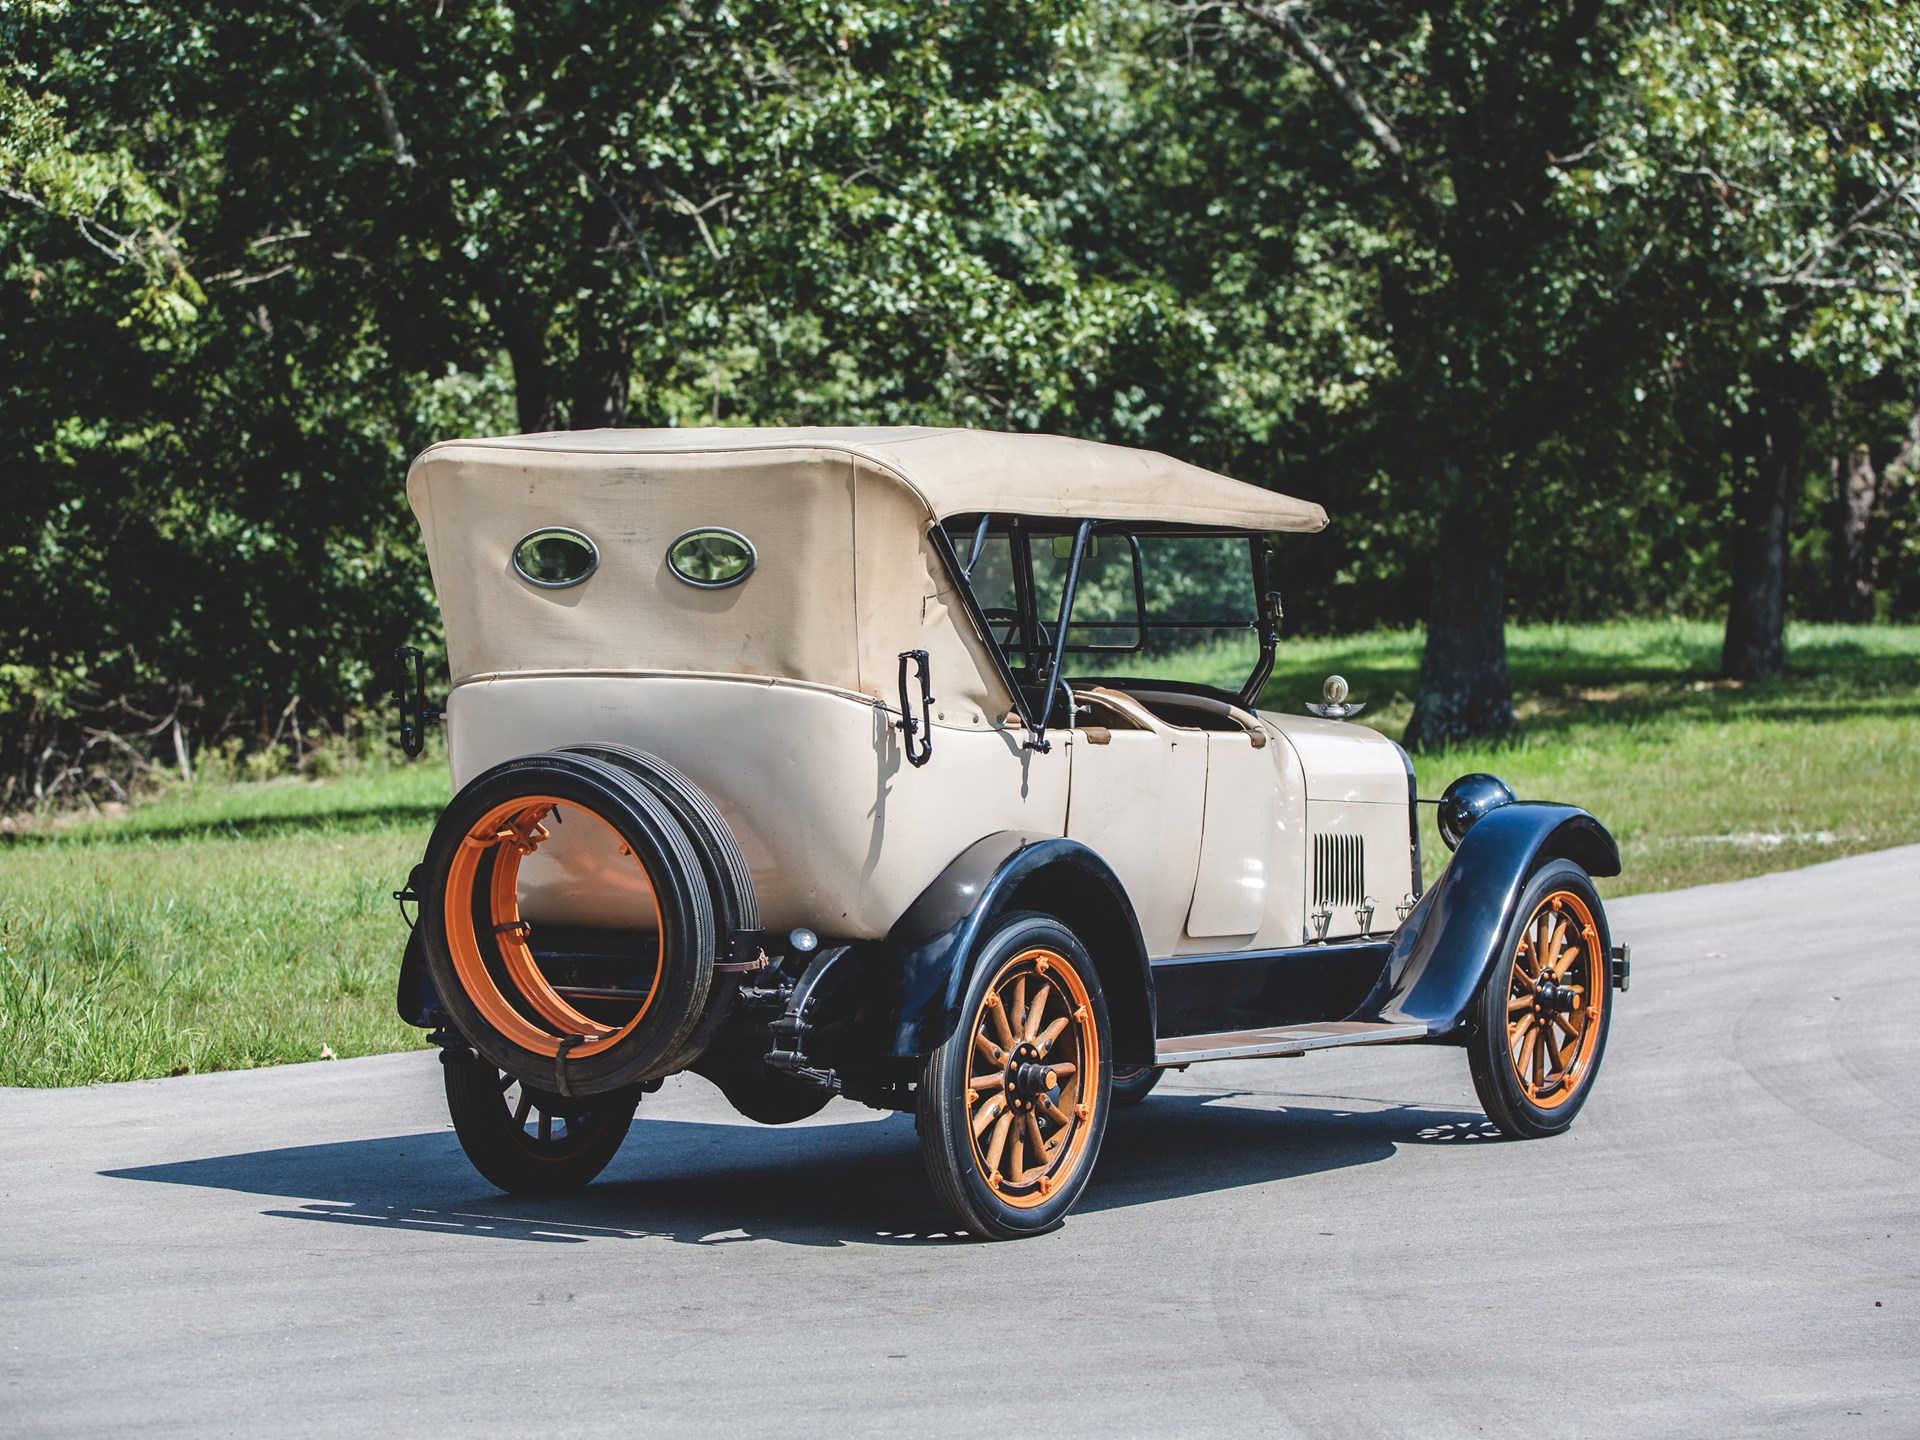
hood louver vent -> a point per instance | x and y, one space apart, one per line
1339 872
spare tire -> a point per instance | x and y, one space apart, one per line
729 881
728 878
477 943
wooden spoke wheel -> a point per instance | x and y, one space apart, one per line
1543 1011
530 1141
1013 1104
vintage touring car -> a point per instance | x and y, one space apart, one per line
834 762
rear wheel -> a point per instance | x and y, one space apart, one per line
1013 1104
1543 1010
530 1141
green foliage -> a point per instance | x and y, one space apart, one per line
253 258
94 189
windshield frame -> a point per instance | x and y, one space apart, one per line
1043 660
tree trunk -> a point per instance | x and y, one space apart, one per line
527 350
1907 458
525 338
1756 638
603 374
1858 493
1464 691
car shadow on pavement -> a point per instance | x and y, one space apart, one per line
816 1185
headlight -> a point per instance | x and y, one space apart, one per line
1466 800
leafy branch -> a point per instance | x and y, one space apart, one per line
396 142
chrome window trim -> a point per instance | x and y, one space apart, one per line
565 532
753 558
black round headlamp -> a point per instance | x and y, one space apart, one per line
1466 800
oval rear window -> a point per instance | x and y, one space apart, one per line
711 558
554 559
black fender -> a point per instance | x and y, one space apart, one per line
415 997
1445 948
932 948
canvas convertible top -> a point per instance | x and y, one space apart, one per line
842 523
950 471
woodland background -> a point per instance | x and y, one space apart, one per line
1565 309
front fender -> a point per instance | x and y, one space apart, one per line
1445 948
933 947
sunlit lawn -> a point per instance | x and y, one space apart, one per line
1698 779
246 924
250 924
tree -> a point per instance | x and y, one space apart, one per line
1762 161
601 190
1462 117
410 222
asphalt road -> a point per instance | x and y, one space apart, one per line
1334 1245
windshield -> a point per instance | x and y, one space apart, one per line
1163 607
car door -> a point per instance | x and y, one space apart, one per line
1236 869
1240 875
1135 797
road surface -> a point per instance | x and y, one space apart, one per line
1333 1245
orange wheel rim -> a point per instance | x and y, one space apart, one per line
1032 1069
1556 998
517 829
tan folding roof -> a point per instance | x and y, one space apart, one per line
959 472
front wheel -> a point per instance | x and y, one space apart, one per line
1541 1017
529 1141
1013 1103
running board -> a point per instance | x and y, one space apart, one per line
1283 1040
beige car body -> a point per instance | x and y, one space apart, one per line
777 696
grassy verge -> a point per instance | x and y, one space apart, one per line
1699 779
250 924
241 925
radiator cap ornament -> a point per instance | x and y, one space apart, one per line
1335 706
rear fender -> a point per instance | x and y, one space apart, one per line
1452 938
415 998
934 947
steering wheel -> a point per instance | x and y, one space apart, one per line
1010 617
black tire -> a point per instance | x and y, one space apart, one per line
981 1180
528 1141
729 880
500 1016
1134 1084
1553 977
723 862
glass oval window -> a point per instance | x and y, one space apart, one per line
711 558
554 559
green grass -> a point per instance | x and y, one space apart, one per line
240 925
1699 779
252 923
